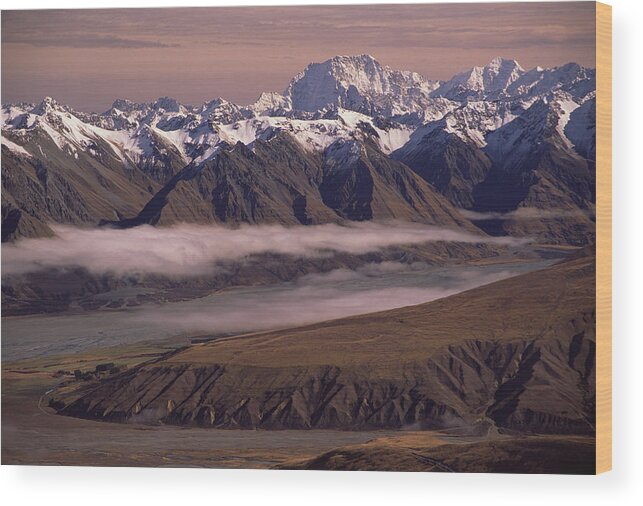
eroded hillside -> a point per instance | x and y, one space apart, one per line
517 354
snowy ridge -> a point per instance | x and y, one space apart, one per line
346 98
481 82
13 147
580 128
546 119
361 84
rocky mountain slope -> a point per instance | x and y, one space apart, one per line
280 182
349 139
529 367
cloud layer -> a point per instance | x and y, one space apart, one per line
88 57
189 250
319 297
312 298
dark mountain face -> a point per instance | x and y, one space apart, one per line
527 174
272 184
451 165
348 140
349 190
279 182
61 187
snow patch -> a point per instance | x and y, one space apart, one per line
13 147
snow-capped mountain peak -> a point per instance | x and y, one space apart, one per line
47 104
362 84
123 104
271 103
500 73
499 62
344 97
167 104
481 82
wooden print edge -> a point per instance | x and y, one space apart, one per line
603 237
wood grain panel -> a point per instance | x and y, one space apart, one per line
603 237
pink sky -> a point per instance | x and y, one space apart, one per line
88 58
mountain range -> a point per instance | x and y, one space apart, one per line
496 149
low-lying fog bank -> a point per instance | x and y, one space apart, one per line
194 250
311 298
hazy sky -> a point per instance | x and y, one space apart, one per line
88 58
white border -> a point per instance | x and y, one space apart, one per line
124 486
